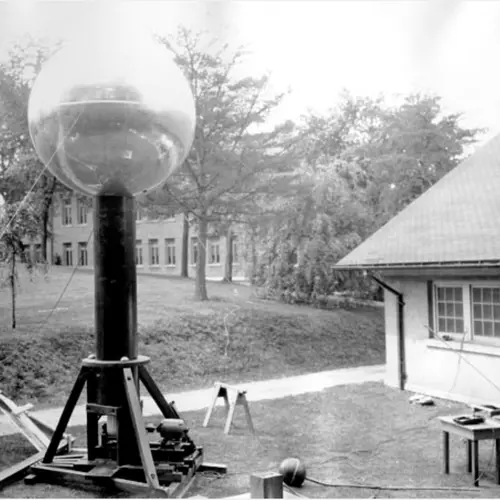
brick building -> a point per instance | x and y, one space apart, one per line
158 242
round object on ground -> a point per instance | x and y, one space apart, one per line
293 471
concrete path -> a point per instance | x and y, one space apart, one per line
256 391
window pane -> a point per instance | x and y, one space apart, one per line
477 311
496 329
449 294
487 328
442 325
450 310
496 295
441 308
486 295
459 326
478 328
476 294
496 312
487 312
459 310
440 293
458 294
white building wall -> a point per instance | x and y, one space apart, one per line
434 367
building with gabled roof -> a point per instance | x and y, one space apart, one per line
439 263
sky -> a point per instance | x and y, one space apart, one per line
317 48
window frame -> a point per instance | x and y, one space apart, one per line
140 214
68 246
194 251
235 251
170 245
153 246
67 204
468 316
139 254
482 339
82 245
81 208
214 243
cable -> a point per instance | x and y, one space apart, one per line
23 201
457 371
75 267
464 359
388 488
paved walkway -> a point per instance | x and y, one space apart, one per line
256 391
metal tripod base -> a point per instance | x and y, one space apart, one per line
161 471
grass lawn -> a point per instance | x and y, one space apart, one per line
232 337
363 434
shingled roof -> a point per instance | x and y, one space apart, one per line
456 221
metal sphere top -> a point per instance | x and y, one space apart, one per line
112 115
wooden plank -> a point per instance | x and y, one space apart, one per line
16 472
140 431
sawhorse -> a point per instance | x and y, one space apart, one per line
233 396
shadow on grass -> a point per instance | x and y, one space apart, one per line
364 434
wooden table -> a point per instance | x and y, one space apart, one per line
489 429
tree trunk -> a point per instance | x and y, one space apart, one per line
228 267
13 288
253 242
47 204
201 278
185 246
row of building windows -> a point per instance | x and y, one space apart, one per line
471 311
82 254
82 214
213 254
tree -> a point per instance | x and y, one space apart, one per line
20 168
18 221
413 147
363 162
222 175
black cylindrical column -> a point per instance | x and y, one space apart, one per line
115 309
115 278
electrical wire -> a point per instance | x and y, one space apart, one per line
464 359
75 267
389 488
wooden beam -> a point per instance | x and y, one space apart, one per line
16 472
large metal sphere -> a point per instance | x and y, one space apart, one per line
114 116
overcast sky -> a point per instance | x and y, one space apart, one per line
449 47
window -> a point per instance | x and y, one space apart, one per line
450 309
170 215
140 214
236 255
83 256
154 253
68 254
38 254
67 218
138 253
486 312
468 311
81 212
170 252
194 251
214 252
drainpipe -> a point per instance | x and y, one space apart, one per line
401 337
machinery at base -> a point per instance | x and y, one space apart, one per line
122 451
